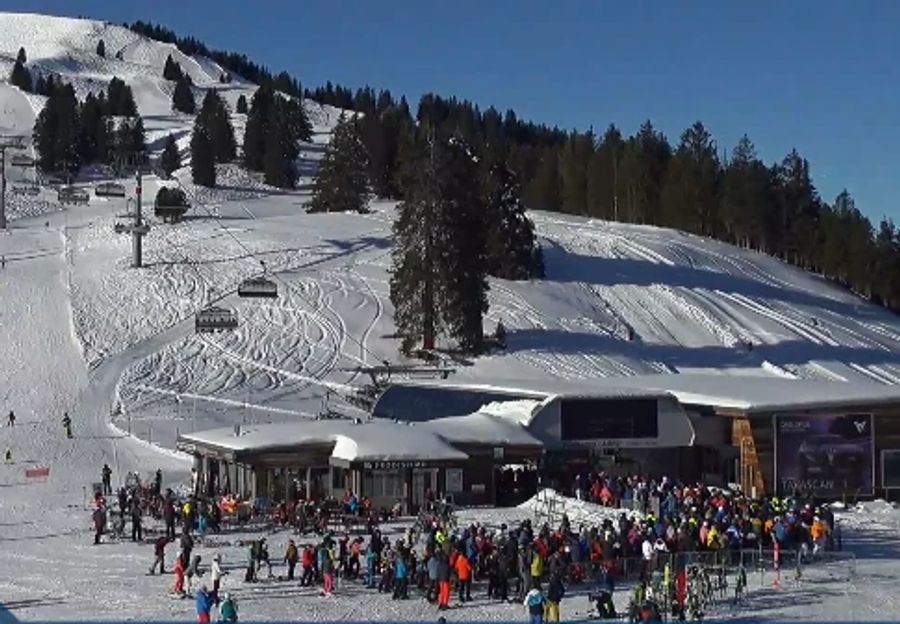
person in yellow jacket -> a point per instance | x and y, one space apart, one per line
537 566
712 538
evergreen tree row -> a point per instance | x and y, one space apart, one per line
275 123
236 63
641 178
104 129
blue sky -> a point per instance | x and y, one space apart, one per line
821 76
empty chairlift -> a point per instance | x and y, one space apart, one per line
109 189
215 319
258 287
72 195
21 160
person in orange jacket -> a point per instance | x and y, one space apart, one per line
818 532
464 573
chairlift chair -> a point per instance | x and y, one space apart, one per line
109 189
21 160
26 189
72 195
214 319
257 287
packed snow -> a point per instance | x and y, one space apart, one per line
80 331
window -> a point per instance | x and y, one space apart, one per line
384 484
597 419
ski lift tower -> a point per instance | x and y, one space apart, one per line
137 229
6 142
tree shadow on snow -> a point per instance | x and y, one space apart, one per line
564 266
718 356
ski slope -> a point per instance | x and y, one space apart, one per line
82 331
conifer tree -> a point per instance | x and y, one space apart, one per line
439 265
170 159
21 77
203 162
21 56
183 97
120 99
56 132
261 109
512 252
101 49
93 140
242 105
171 69
689 197
216 119
573 161
341 183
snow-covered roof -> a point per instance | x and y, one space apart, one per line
380 440
548 387
751 393
481 428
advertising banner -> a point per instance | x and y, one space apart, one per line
824 455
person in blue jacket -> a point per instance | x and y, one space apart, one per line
401 576
204 604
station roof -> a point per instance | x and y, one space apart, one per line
765 394
377 440
481 428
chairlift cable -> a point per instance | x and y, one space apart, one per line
287 284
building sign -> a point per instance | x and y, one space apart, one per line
824 455
454 480
393 465
608 419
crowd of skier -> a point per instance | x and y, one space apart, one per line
660 528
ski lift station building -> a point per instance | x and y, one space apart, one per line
768 434
825 439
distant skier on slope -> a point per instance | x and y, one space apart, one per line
67 425
105 477
11 421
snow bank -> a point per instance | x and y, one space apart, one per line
549 505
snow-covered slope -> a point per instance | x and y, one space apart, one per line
81 331
67 47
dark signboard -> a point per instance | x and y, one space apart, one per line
890 468
599 419
824 455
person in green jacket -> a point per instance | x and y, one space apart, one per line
228 609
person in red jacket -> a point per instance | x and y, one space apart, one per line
307 560
179 574
464 573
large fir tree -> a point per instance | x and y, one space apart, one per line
21 77
341 183
120 99
56 132
183 97
216 119
439 264
512 252
170 159
203 161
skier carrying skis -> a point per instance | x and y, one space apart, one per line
67 425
